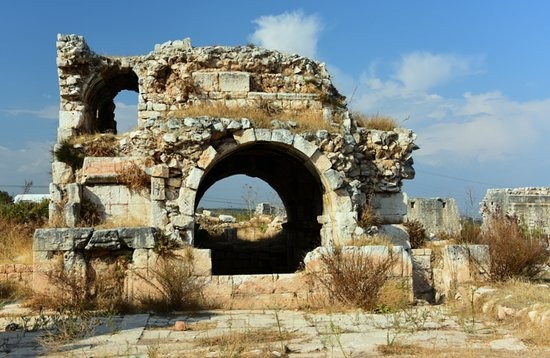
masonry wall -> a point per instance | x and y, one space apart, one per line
437 215
530 205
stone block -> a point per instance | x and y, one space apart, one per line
397 234
74 193
332 179
283 136
245 136
304 146
61 239
183 221
104 240
321 162
207 156
159 215
234 81
62 173
186 201
69 119
158 189
262 134
207 81
194 178
389 207
71 213
138 237
105 170
159 171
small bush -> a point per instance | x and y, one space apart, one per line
67 153
354 279
417 234
133 177
470 232
377 121
90 214
368 217
513 255
177 285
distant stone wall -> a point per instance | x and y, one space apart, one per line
435 214
16 272
530 205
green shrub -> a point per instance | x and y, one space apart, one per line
67 153
25 212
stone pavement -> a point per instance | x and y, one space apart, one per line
263 333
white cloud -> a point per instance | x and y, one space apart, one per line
476 127
420 71
291 32
48 112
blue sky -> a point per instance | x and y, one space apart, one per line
471 78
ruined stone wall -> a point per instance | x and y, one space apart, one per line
437 215
353 165
530 205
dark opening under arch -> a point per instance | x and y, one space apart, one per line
99 99
298 185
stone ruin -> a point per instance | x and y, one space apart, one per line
437 215
325 167
531 206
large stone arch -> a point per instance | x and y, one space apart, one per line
293 167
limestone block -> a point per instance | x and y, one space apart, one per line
304 146
262 134
104 240
283 136
61 239
332 179
186 201
183 221
71 212
159 215
207 81
462 263
138 237
339 201
62 173
194 178
69 119
207 156
140 258
159 171
56 194
105 170
397 234
321 162
158 189
389 207
74 193
234 81
245 136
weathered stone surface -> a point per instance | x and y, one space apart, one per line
207 157
61 239
194 178
158 189
397 234
159 171
390 208
333 179
74 193
283 136
234 81
138 237
435 214
304 146
104 240
61 173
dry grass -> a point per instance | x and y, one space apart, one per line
417 234
97 144
177 286
368 217
261 115
15 242
513 253
376 121
374 240
247 342
133 177
353 279
394 295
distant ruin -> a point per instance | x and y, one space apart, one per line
196 125
531 206
437 215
